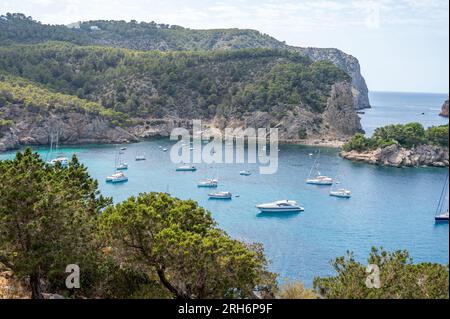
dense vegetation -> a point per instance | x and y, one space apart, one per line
184 84
18 91
407 135
152 245
18 28
398 278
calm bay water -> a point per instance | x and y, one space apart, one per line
399 108
390 207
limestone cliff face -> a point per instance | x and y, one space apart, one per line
397 156
444 111
35 128
347 63
338 122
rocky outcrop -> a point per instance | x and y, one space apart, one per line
397 156
347 63
444 111
36 128
337 122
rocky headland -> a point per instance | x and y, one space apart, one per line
444 110
397 156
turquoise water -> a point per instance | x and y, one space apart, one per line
390 207
399 108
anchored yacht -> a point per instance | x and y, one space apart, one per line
280 206
220 195
117 177
208 182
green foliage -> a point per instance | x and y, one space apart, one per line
15 90
358 142
399 278
183 84
47 217
178 242
302 134
407 135
437 135
18 28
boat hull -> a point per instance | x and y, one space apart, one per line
313 182
340 195
280 210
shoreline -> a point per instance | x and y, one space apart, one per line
308 142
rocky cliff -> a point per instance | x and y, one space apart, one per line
397 156
73 127
336 124
444 111
347 63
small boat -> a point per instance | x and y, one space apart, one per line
343 193
441 217
117 177
220 195
360 112
280 206
164 149
209 182
140 157
245 173
320 180
122 166
64 161
123 148
186 168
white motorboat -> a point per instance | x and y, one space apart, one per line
220 195
164 149
186 168
117 177
123 148
245 173
208 182
320 180
64 161
280 206
344 193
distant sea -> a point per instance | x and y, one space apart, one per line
399 108
390 207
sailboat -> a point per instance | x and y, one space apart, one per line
339 192
441 215
64 161
140 157
319 179
120 165
208 182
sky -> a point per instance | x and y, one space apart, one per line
402 45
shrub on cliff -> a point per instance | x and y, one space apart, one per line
398 278
406 135
438 135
